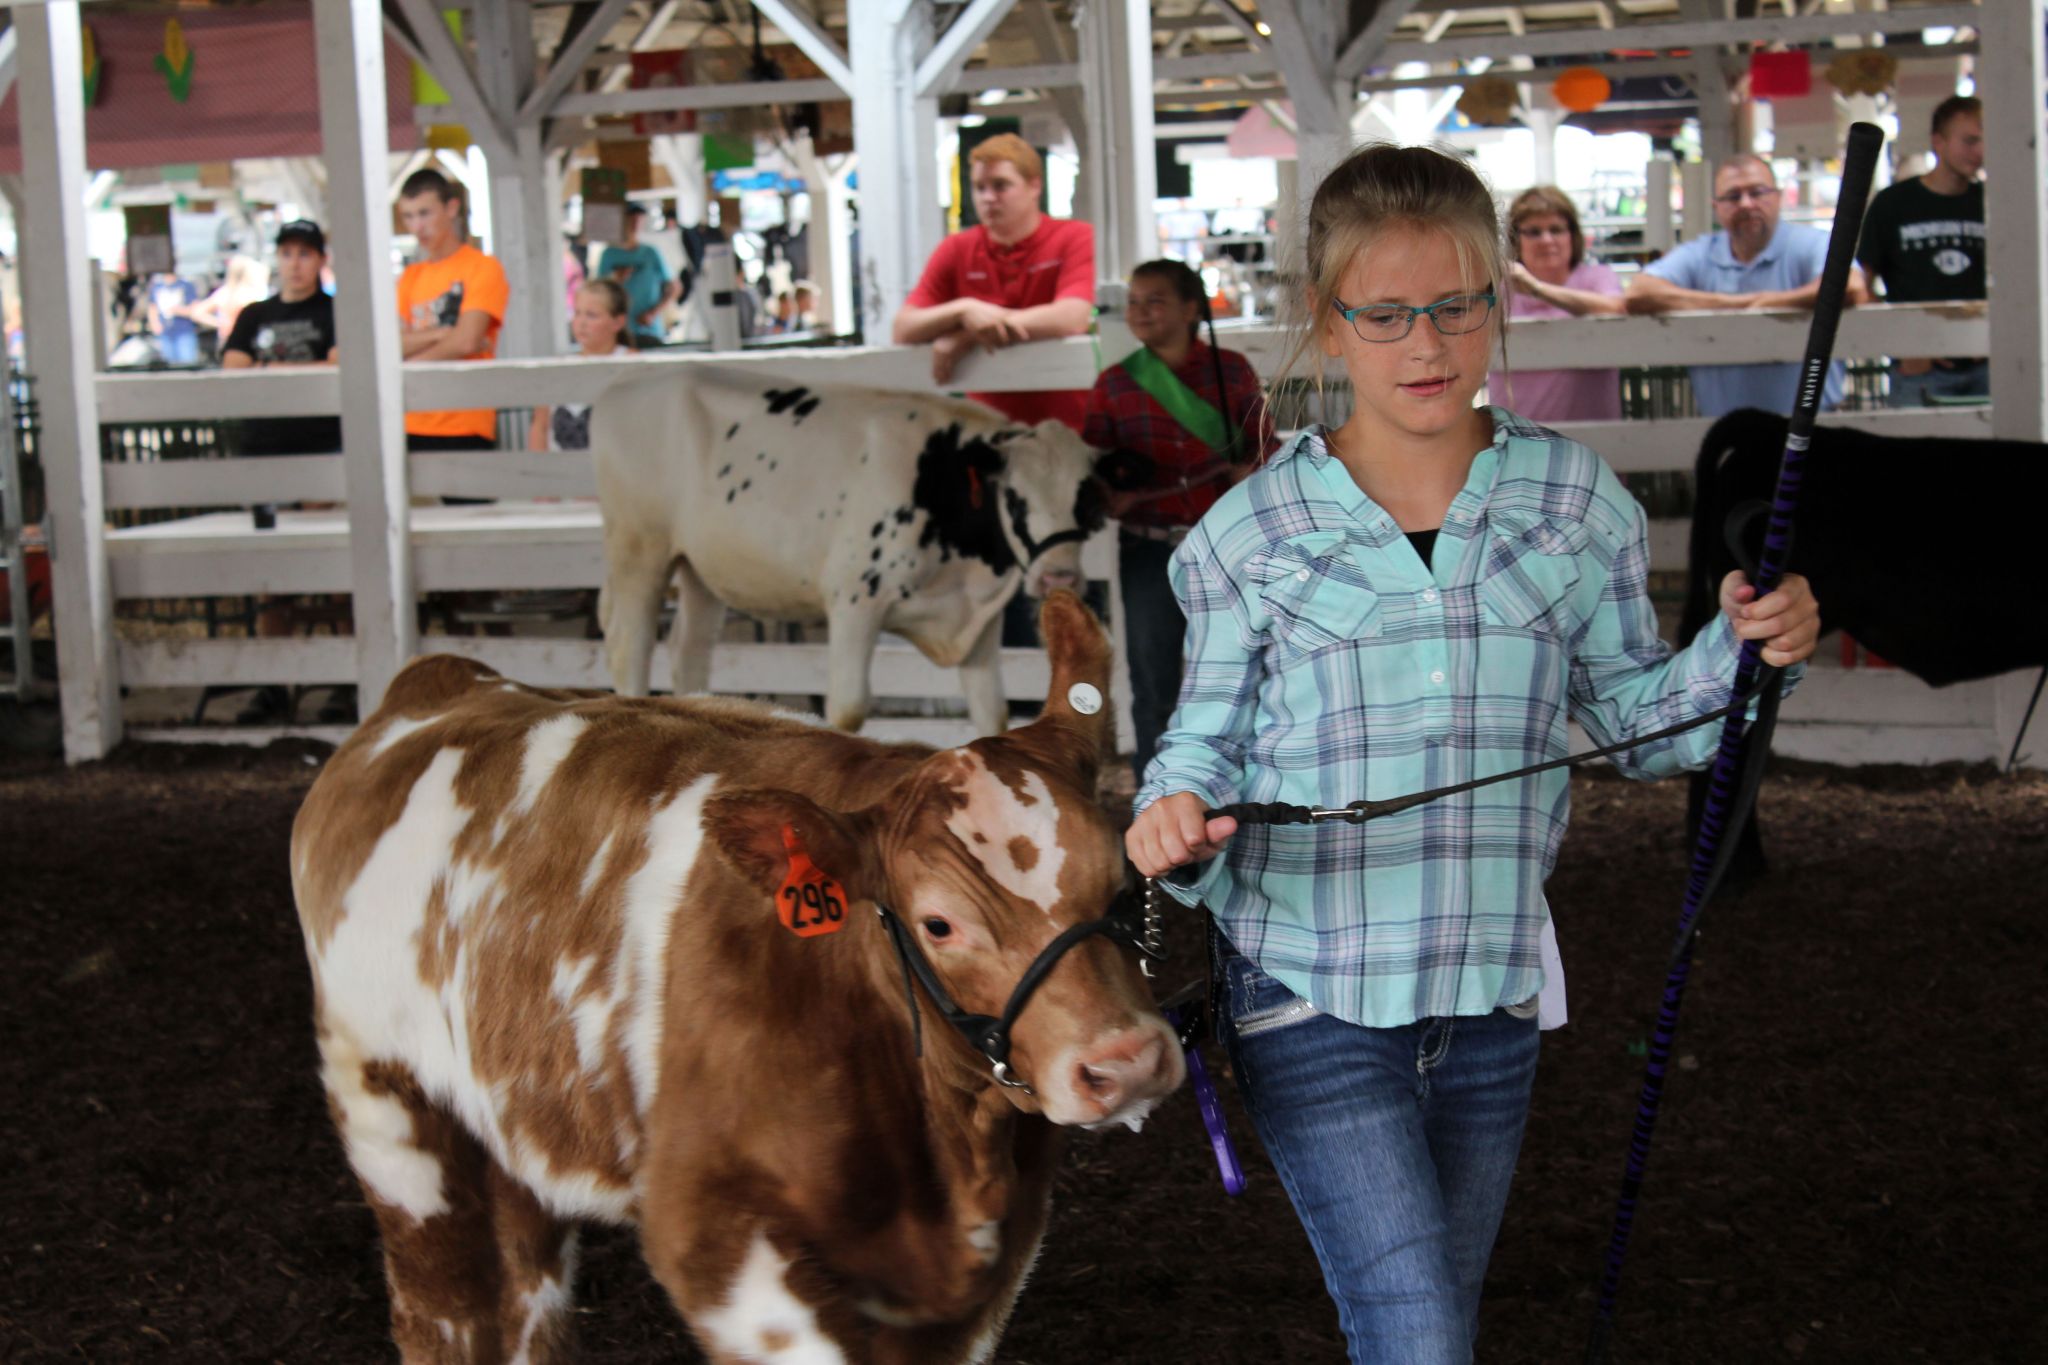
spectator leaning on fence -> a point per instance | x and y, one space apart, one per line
451 305
1551 277
599 324
1754 262
1017 275
1924 239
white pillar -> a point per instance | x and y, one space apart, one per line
1307 37
1697 181
2009 79
526 234
1659 231
682 154
1116 98
349 42
721 286
1544 123
895 134
60 318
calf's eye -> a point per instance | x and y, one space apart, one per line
938 928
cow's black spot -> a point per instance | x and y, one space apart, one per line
732 431
725 471
806 408
904 515
956 488
745 484
771 464
782 400
876 532
731 493
873 579
761 455
874 554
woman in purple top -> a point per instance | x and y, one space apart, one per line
1552 278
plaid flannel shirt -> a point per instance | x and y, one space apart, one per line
1326 663
1123 416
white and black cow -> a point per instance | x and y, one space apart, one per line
1921 547
913 513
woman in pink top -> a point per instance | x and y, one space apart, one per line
1551 278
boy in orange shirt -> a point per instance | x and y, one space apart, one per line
451 305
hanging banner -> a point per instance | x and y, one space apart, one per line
149 239
664 70
604 204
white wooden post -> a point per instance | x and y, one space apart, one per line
2009 79
1116 100
349 41
895 135
60 318
526 237
1659 231
1307 36
1697 213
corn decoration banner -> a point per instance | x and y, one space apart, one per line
90 60
1864 71
1489 101
175 61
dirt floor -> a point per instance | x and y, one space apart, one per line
1848 1168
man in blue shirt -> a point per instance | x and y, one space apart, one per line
1754 262
640 268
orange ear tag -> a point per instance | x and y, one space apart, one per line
810 903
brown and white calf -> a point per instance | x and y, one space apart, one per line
552 985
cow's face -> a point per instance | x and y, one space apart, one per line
1048 496
986 854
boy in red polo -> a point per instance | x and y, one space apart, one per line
1016 276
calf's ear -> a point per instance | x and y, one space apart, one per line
747 827
1072 731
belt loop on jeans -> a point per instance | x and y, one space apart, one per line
1171 535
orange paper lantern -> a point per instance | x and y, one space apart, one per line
1581 89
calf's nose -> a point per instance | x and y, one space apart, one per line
1133 1067
1052 580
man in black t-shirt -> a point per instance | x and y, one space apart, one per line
294 326
1924 238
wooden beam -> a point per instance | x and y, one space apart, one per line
939 67
803 29
1366 44
744 95
1308 73
1584 41
60 318
567 63
451 67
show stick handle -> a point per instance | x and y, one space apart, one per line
1211 1104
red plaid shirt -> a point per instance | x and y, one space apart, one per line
1122 416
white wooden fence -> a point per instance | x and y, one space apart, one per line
543 533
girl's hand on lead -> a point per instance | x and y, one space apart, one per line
1787 619
1171 833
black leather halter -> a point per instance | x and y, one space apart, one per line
1020 511
1129 923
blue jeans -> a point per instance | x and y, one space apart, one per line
1397 1146
1155 633
1914 390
